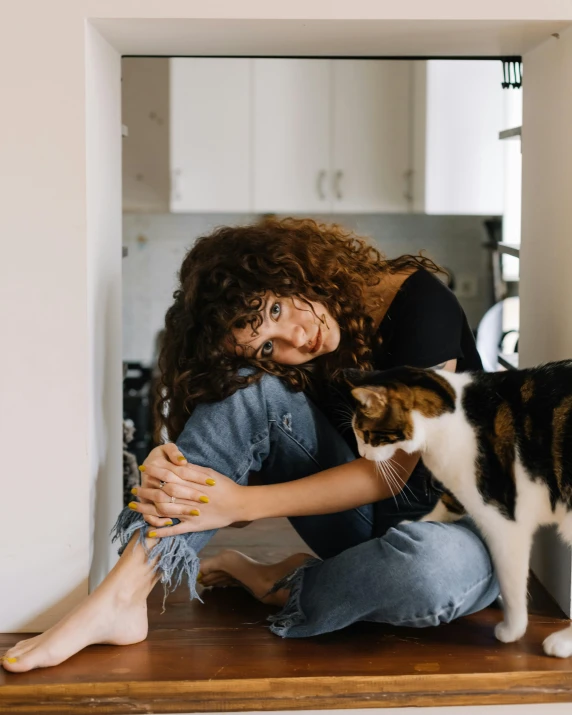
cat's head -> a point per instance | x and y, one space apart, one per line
389 405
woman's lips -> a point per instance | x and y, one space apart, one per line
317 343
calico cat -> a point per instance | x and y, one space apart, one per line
500 443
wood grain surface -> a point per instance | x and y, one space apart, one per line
220 656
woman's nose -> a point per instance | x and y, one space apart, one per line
298 337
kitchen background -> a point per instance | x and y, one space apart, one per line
407 153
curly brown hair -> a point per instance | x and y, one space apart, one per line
222 286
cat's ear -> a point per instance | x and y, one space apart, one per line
373 400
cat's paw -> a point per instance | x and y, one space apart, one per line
559 644
508 633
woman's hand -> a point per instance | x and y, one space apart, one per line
193 488
167 457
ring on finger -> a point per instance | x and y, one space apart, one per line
173 499
162 484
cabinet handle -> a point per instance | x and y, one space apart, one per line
320 185
338 176
175 195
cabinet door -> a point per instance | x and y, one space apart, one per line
210 134
371 137
463 156
291 135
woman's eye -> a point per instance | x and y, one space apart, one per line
275 310
267 348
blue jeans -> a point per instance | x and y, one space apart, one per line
418 574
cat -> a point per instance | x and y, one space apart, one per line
499 443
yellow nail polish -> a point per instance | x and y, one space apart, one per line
133 505
205 500
181 458
134 491
141 468
152 534
10 660
195 512
210 482
199 577
169 523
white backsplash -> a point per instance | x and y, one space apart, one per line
157 244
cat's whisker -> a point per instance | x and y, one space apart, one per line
402 480
389 482
396 464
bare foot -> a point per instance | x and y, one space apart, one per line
230 567
115 613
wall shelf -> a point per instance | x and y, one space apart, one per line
509 249
515 132
508 360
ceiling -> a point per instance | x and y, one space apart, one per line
354 38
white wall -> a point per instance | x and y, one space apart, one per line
546 249
103 145
44 375
48 381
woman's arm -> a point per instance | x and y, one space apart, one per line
343 487
337 489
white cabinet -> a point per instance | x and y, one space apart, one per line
458 159
331 135
299 136
371 136
210 145
291 127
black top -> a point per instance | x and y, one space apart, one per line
423 327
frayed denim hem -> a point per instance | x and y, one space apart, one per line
291 615
175 558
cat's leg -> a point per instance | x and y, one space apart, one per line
559 644
509 544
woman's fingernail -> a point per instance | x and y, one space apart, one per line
210 482
133 505
134 491
152 534
141 468
205 500
181 458
169 523
195 512
10 660
199 577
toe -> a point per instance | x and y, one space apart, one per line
16 664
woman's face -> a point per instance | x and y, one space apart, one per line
292 332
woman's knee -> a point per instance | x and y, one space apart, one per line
441 571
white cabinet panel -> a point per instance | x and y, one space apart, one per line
291 129
371 136
459 158
210 134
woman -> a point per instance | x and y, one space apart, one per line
263 322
